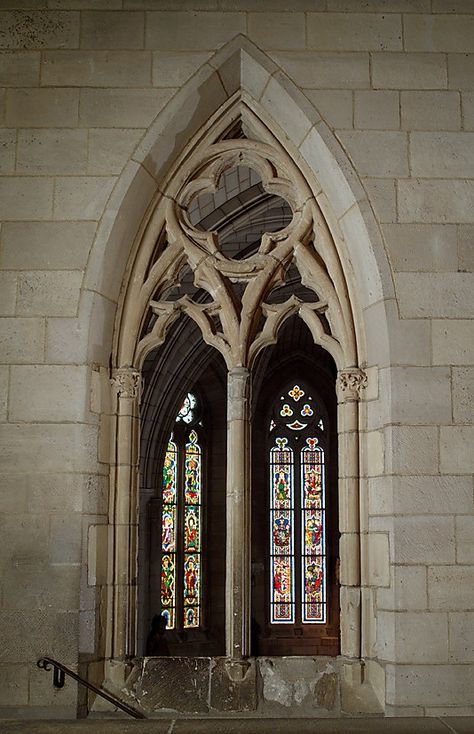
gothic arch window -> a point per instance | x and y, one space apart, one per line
295 534
182 498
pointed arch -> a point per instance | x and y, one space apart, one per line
241 85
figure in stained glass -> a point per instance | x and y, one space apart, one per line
167 580
167 532
313 532
281 532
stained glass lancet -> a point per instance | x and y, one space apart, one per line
282 512
192 532
313 571
168 535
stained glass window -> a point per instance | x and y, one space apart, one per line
298 574
181 523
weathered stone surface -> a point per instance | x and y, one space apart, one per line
232 695
181 684
305 683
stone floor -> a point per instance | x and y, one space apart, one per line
459 725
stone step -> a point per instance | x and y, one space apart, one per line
455 725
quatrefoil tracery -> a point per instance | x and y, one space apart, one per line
231 321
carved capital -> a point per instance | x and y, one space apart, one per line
351 382
126 381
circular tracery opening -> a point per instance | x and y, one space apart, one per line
240 211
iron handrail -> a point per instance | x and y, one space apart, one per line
59 673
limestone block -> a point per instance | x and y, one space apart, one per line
411 449
8 288
42 107
450 6
412 637
463 394
430 110
408 71
296 120
382 196
377 555
41 586
408 590
273 5
48 448
4 378
439 33
98 538
442 154
372 453
421 395
44 493
42 695
436 495
76 340
376 153
432 684
334 106
121 107
96 68
25 541
467 102
232 695
385 6
14 685
277 30
54 151
19 68
190 31
465 539
354 32
466 248
456 455
85 4
109 150
174 69
31 388
3 95
22 29
313 70
171 5
453 342
65 537
376 110
45 245
451 587
30 634
298 681
112 29
25 198
171 683
7 150
49 293
423 539
22 340
415 247
81 197
438 295
461 637
461 71
408 341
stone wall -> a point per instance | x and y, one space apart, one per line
81 81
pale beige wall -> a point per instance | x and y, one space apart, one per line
81 81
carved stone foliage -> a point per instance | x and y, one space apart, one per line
235 316
351 382
126 381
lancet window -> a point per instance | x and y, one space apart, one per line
182 521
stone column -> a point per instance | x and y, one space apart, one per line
238 514
350 383
123 513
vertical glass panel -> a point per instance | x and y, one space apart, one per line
192 532
313 571
168 536
282 511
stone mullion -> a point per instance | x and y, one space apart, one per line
350 384
238 515
122 568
